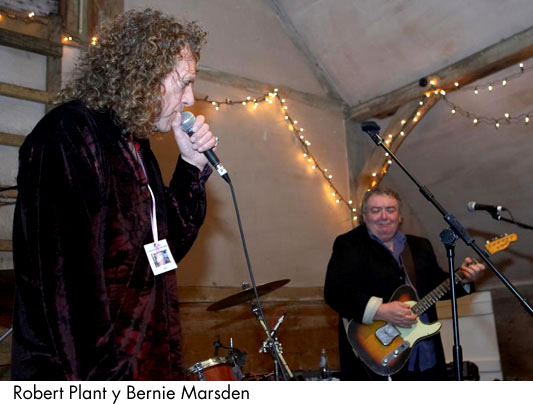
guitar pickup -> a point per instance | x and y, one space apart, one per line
387 333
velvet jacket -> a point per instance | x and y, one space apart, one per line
360 268
87 305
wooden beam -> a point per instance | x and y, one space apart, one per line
10 194
318 70
25 93
30 43
208 74
8 139
6 245
490 60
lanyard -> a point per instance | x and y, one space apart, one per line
153 215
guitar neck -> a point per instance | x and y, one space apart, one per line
432 297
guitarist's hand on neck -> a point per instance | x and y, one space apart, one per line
397 313
471 269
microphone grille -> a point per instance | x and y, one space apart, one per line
471 206
187 121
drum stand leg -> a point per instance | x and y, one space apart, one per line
272 344
5 335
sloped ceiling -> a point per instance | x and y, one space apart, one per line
371 47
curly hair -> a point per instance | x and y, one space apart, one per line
123 73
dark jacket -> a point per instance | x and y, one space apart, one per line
88 306
360 268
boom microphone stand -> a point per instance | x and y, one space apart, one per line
372 129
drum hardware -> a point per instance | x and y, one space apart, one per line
237 356
271 344
217 368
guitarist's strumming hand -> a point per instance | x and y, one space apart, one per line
397 313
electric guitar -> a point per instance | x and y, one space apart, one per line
385 348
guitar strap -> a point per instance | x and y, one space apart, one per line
409 265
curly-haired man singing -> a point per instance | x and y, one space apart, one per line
92 210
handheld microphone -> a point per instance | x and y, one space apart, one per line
187 121
493 210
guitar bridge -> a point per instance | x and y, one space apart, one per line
394 354
387 333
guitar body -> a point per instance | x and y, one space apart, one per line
377 344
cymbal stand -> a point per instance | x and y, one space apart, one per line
272 344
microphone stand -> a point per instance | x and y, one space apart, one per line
497 216
282 370
448 237
372 129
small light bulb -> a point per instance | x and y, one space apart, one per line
355 217
403 121
475 121
313 167
442 92
373 174
526 120
213 102
31 14
248 98
217 108
418 113
333 194
421 103
390 134
285 107
295 122
244 103
415 119
490 87
286 117
350 202
390 161
330 176
354 210
497 124
402 133
476 91
456 84
504 82
276 90
507 115
453 110
301 129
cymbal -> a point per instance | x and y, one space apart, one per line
247 294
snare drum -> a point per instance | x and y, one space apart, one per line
217 368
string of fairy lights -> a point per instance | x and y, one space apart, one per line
506 117
297 131
29 17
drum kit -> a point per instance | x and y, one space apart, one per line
230 367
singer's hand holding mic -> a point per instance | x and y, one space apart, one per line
195 141
188 124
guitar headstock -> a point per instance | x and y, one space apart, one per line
500 243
